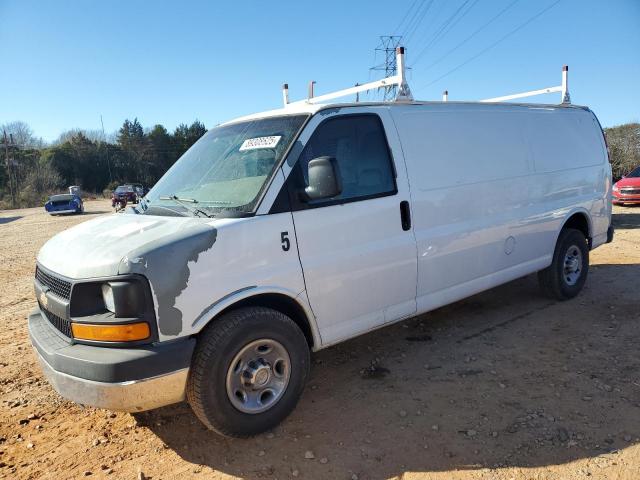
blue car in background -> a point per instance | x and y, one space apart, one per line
64 203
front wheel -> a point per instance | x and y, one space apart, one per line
248 371
566 275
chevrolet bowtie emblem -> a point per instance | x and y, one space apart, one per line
43 299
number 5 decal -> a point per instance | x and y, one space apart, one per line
286 244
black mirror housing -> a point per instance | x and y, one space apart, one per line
324 179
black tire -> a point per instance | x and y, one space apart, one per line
216 348
553 280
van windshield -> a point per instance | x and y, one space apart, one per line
225 171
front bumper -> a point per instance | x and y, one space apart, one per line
624 199
54 212
131 396
124 379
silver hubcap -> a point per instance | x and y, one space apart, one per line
572 265
258 376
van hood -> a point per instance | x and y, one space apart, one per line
123 243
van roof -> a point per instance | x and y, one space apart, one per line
302 107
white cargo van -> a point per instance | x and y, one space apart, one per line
288 231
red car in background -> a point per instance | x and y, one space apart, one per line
124 192
627 189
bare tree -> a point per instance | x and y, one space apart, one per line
93 135
624 148
22 135
41 181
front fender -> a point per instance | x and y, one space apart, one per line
213 310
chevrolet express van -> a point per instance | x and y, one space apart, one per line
285 232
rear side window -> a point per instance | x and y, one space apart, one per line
563 139
359 145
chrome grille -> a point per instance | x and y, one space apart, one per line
630 191
56 285
60 324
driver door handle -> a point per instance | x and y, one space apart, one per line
405 215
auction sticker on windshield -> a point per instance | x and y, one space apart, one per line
260 142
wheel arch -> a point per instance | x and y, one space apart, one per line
294 306
579 220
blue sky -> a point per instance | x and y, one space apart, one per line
65 63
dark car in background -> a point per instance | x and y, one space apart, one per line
124 194
139 189
136 186
64 203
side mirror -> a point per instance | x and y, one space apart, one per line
324 179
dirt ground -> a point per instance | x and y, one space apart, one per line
504 385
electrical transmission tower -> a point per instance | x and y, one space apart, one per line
387 47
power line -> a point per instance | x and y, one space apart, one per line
472 35
418 20
448 22
405 16
501 39
455 22
433 18
412 19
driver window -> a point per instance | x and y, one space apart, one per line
360 148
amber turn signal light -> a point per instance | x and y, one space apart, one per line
111 333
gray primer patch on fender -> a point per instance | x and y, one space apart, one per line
165 262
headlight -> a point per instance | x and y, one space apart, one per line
124 298
615 187
107 297
118 309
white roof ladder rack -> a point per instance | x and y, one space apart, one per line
399 79
565 98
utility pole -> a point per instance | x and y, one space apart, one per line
387 47
107 146
7 163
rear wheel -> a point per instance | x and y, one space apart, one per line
248 371
566 275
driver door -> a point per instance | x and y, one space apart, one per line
357 249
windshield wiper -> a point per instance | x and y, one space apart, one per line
185 203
